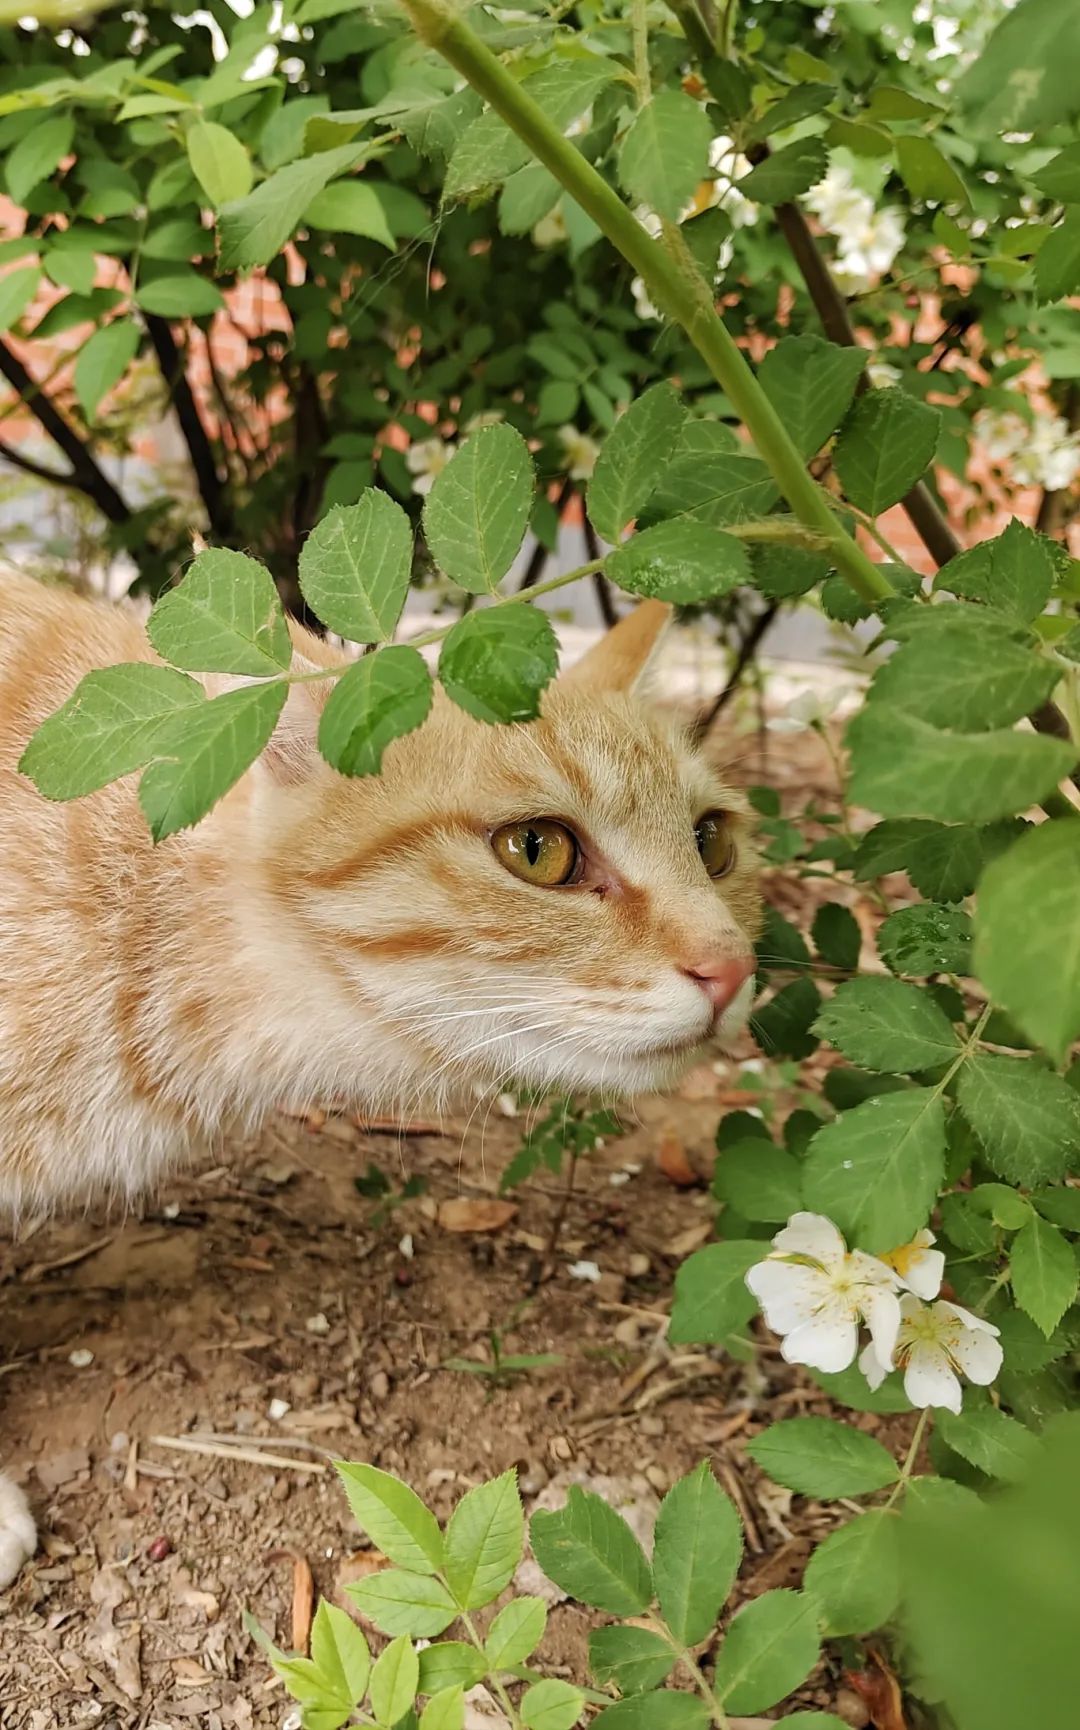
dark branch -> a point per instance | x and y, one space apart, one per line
86 477
203 461
538 558
747 649
38 470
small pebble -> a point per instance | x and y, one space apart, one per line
281 1489
587 1270
159 1549
533 1477
317 1324
379 1385
638 1266
406 1246
305 1386
171 1210
80 1359
560 1448
658 1478
277 1409
618 1178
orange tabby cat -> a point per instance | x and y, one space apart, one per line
569 903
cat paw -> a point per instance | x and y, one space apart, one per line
18 1534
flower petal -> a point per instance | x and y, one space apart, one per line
924 1273
871 1367
881 1313
789 1295
967 1317
813 1235
928 1379
827 1343
979 1355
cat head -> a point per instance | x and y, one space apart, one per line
569 903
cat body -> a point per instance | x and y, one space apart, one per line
318 937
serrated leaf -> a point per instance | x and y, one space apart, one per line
1027 1119
588 1549
17 290
113 723
495 663
783 573
666 1709
631 460
219 162
1057 263
1061 1206
810 384
181 294
350 207
476 514
771 1646
855 1574
355 567
665 154
450 1664
394 1517
487 151
483 1541
887 1025
885 445
1027 933
817 1457
903 767
782 1027
1042 1272
969 672
696 1554
786 173
711 1299
103 361
1060 177
401 1602
837 937
682 561
635 1659
708 482
551 1705
340 1653
942 860
205 754
254 229
927 173
989 1440
224 616
759 1180
1014 573
394 1679
379 699
877 1169
926 939
38 154
444 1711
516 1632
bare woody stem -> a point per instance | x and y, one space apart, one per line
679 290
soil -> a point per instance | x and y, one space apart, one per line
268 1302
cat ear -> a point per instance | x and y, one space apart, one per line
620 660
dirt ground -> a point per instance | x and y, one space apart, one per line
268 1302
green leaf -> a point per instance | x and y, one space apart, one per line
836 935
696 1554
1024 79
219 162
17 290
355 567
943 861
254 229
515 1633
783 573
771 1646
394 1518
987 1439
488 152
855 1574
887 1025
114 722
903 767
450 1664
635 1659
444 1711
926 939
683 561
38 154
476 514
786 173
71 267
810 384
665 154
711 1299
885 445
340 1653
817 1457
782 1026
551 1705
181 294
483 1541
1059 178
103 361
199 759
394 1678
1013 573
927 173
759 1180
1027 933
709 483
496 662
350 207
665 1710
1043 1273
877 1169
967 671
631 460
588 1549
401 1602
1057 263
1060 1205
223 617
379 699
1027 1119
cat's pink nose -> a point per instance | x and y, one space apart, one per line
721 977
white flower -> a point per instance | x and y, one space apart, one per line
918 1266
808 709
1050 455
649 221
937 1342
551 230
584 1270
815 1292
579 452
426 460
837 202
729 166
870 246
1000 432
643 306
869 239
881 374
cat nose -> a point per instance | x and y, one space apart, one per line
721 977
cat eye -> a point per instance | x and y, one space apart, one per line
539 851
715 844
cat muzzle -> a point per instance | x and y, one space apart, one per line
721 979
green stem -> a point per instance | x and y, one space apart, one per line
640 26
910 1457
694 27
504 1699
716 1712
680 291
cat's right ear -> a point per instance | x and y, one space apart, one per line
620 661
